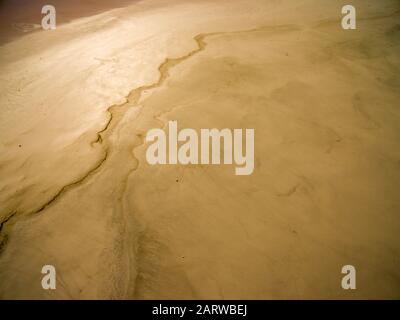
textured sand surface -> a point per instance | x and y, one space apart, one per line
18 17
76 190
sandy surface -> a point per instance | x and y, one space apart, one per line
76 190
20 17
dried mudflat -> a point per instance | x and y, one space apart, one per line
324 192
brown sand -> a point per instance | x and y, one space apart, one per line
19 17
324 106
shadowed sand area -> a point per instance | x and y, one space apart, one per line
77 192
18 17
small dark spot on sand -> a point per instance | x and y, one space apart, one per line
20 145
177 180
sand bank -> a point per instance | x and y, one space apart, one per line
78 193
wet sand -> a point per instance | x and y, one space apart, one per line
19 17
78 193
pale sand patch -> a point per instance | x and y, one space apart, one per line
323 103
